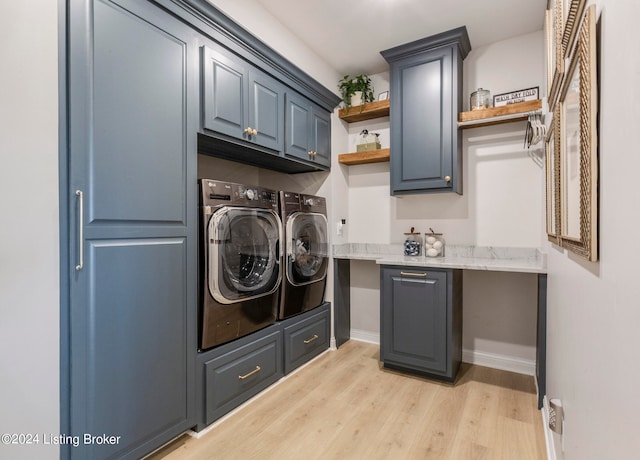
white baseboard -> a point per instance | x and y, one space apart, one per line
495 361
365 336
503 362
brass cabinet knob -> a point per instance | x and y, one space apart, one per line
247 131
254 132
447 178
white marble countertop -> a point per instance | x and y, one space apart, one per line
525 260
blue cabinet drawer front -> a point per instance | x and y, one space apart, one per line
238 375
305 340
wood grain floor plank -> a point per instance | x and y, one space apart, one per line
345 405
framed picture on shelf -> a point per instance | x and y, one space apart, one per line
383 96
578 149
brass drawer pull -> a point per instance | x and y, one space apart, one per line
315 337
242 377
418 275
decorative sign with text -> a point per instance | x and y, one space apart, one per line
529 94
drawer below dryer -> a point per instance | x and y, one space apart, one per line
238 375
306 336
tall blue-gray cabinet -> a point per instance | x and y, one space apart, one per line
308 130
421 320
240 101
132 115
426 96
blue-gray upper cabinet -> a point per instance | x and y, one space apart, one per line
129 194
426 96
308 131
421 320
240 101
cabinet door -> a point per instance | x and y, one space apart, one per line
132 113
307 131
225 93
414 319
297 123
266 110
423 125
321 136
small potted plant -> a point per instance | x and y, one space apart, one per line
355 90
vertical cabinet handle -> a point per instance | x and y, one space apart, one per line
80 230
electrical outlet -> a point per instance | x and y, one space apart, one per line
556 416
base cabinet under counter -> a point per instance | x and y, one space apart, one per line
421 320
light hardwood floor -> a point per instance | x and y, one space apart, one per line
344 405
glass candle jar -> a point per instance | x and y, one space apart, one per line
480 99
433 244
412 244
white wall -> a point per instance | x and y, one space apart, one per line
502 205
255 18
29 257
594 308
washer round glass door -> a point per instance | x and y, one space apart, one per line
307 248
243 254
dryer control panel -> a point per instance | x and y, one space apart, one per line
218 193
291 202
309 203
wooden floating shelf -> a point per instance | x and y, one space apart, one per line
361 158
498 115
367 111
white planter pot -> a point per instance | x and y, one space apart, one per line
356 98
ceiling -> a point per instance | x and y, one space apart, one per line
349 34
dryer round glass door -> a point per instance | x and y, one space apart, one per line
243 254
307 248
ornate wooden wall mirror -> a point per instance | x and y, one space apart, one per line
552 150
578 149
555 56
571 13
